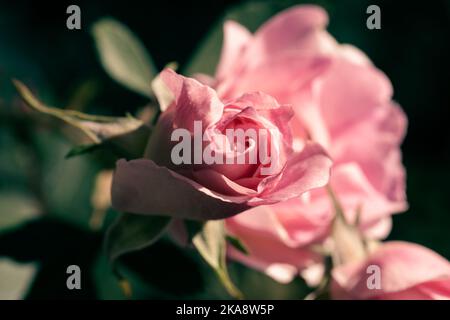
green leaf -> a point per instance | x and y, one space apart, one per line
210 243
237 244
68 183
82 149
123 56
128 134
15 279
131 232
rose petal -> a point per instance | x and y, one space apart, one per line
267 251
208 177
355 193
193 101
302 225
276 77
294 29
404 266
304 171
235 37
140 186
350 92
378 154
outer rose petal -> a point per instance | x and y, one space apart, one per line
302 225
213 179
293 225
294 29
379 229
356 193
308 118
192 101
378 154
304 171
235 37
140 186
350 92
408 271
276 77
260 232
352 54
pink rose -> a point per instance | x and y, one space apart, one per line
340 100
185 184
407 271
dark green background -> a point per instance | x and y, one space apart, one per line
412 48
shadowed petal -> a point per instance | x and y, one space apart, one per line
140 186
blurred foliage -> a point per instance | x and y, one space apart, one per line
45 199
123 56
15 278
